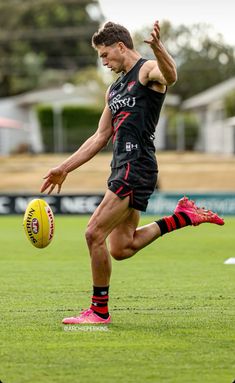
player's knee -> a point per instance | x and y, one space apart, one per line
119 253
93 235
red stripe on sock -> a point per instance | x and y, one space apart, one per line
103 297
169 228
172 222
100 299
181 220
101 310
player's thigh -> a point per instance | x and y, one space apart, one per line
122 235
110 213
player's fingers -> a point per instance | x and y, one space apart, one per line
44 186
47 175
155 35
156 25
59 189
51 189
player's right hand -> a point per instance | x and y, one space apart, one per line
55 176
154 40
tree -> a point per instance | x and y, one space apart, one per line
202 57
38 36
229 104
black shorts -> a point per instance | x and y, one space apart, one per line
136 179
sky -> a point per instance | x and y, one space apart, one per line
134 14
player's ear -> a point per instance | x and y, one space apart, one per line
121 47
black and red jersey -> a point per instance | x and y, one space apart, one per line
135 113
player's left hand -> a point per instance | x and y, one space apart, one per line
155 36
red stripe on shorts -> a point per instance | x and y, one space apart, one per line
128 193
120 189
127 171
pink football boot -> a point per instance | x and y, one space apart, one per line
196 214
87 317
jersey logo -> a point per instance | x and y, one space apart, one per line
121 102
130 85
111 94
120 118
130 146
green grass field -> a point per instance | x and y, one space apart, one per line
173 309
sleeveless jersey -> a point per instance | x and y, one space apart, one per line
135 113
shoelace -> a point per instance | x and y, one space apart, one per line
205 212
202 210
208 214
86 313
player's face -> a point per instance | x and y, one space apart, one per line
111 57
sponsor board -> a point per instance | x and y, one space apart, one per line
165 203
62 204
159 203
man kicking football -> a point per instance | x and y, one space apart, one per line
130 116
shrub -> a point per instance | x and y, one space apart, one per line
78 122
229 104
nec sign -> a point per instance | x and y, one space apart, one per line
63 204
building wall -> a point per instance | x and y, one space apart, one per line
219 135
12 138
229 135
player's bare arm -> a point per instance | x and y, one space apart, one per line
92 145
163 69
88 150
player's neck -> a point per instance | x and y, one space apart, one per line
131 60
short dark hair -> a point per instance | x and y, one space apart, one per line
110 34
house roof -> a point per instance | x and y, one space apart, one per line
69 94
210 95
65 94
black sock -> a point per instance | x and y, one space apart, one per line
100 301
173 222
